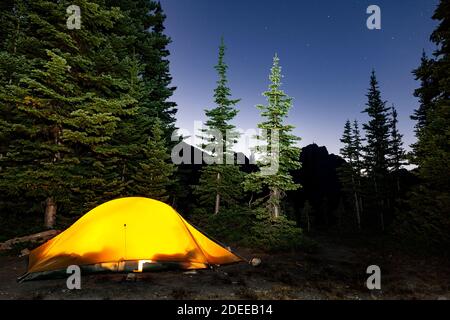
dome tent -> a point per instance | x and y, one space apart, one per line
125 235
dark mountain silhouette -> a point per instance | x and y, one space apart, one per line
320 184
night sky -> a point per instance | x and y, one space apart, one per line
325 50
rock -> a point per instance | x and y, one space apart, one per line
131 277
24 252
255 262
190 272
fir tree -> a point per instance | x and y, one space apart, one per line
141 48
220 183
397 153
219 118
99 72
47 158
357 148
426 93
349 171
377 146
347 150
154 176
428 218
280 144
358 163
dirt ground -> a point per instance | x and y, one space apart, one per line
336 271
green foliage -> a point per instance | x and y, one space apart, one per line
377 132
220 184
225 180
280 145
271 229
397 154
347 151
376 153
350 173
154 176
252 228
79 106
232 225
274 234
427 220
219 118
426 93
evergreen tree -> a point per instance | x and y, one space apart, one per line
272 229
428 218
426 93
433 143
349 172
358 163
357 149
376 150
280 150
46 158
63 112
347 151
220 181
397 153
154 177
78 106
141 47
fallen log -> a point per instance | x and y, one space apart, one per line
36 237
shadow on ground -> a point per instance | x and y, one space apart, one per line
336 271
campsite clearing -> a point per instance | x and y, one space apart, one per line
336 271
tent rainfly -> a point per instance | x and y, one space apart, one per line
128 235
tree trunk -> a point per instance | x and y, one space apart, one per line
360 198
217 206
275 203
50 213
361 205
358 215
308 224
381 206
50 204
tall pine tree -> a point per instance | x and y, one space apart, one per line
154 177
349 172
376 150
280 156
428 219
280 142
220 181
397 153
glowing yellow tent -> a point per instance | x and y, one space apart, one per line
128 234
